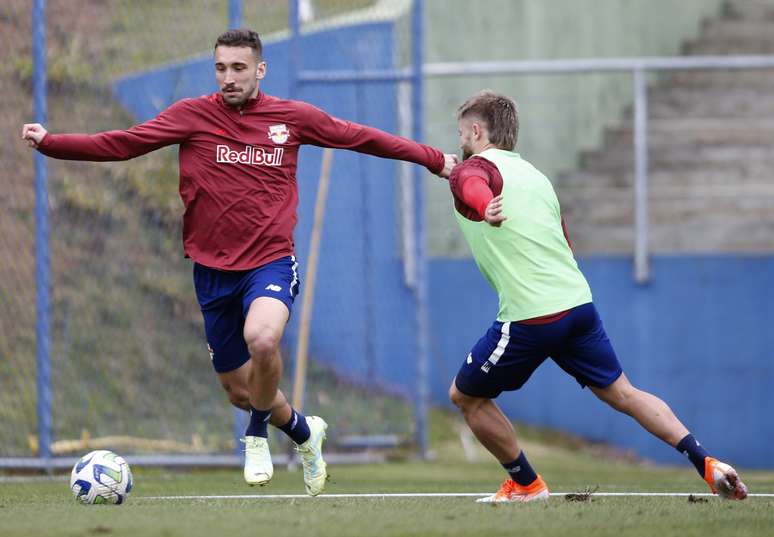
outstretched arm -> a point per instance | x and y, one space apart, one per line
324 130
169 127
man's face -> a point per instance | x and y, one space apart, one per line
238 71
465 130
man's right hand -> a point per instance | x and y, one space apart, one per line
33 133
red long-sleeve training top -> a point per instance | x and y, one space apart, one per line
238 168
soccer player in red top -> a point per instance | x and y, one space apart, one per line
238 155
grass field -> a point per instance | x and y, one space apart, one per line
46 508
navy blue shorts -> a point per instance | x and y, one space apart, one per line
510 352
225 298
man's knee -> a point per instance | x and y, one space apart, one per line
462 401
265 322
454 394
262 344
620 394
237 395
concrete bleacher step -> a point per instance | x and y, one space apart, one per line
710 154
730 175
689 237
674 154
728 36
728 47
727 28
728 79
671 101
756 10
691 130
667 205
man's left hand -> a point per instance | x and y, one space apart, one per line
493 215
449 161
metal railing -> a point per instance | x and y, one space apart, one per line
638 67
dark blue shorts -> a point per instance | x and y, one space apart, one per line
225 298
510 352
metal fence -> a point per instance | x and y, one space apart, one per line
638 68
84 221
113 354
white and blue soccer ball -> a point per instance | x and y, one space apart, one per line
101 477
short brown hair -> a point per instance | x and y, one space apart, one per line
241 38
498 112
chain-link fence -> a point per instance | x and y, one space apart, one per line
127 355
129 367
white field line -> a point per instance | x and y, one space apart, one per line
415 495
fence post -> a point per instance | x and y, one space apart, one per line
641 261
294 56
423 328
42 263
234 14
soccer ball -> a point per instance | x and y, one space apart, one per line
101 477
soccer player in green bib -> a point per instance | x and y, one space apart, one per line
510 216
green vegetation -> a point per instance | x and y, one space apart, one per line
146 33
128 354
47 508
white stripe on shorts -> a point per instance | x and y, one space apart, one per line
295 274
505 332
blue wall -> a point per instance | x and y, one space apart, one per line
698 336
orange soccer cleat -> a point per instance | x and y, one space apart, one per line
723 480
510 491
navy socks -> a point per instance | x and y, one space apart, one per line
520 470
297 428
259 423
689 447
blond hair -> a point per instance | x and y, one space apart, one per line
498 112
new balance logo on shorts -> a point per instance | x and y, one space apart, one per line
272 287
251 155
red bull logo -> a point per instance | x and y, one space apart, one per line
257 156
279 133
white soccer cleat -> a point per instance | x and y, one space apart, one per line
723 480
258 467
315 473
512 492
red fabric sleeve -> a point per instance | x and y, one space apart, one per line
477 194
462 173
169 127
324 130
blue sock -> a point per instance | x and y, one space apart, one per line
297 428
691 448
520 470
259 423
